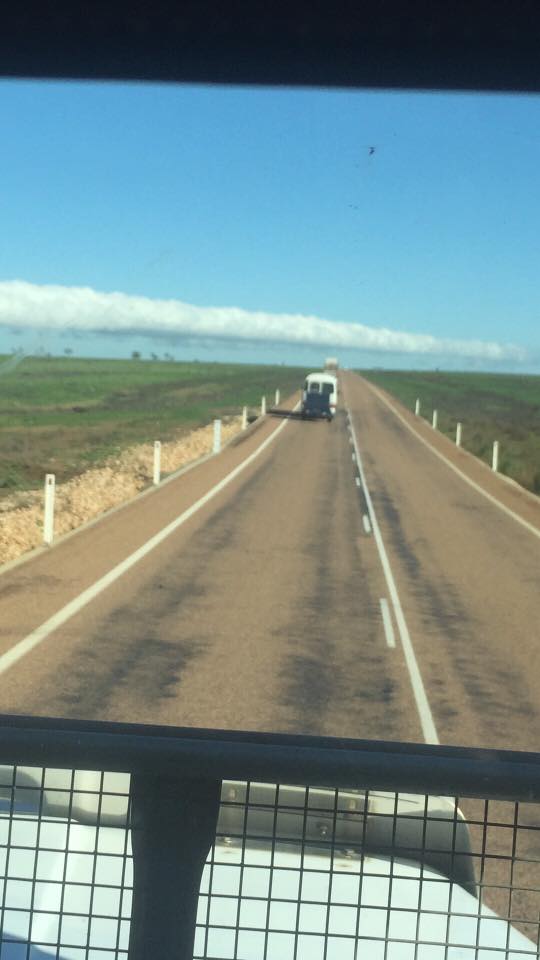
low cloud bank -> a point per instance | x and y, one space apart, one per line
58 309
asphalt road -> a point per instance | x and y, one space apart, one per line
468 575
263 610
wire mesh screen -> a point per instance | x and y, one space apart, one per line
65 864
294 873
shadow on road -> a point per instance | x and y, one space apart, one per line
285 414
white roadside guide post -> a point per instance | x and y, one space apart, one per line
157 462
495 460
48 518
244 418
435 419
417 407
278 398
217 436
263 406
458 434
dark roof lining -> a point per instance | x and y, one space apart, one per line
425 44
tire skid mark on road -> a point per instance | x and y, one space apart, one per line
128 651
312 678
427 722
477 672
473 681
472 483
439 601
26 645
330 667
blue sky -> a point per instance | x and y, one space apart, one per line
271 202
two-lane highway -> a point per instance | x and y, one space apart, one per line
269 607
263 612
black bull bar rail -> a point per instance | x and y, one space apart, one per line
176 792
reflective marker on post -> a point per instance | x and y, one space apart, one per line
435 420
244 418
157 462
417 407
48 518
263 406
217 436
458 435
278 398
495 459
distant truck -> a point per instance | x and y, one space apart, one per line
316 386
331 364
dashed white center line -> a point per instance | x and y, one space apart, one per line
427 722
367 525
387 623
357 481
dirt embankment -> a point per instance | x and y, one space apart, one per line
97 490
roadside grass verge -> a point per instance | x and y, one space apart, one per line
503 407
63 414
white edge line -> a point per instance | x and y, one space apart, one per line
429 729
476 486
365 521
24 646
145 492
387 623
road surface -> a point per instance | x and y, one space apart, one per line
263 610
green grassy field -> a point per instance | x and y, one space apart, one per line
62 414
503 407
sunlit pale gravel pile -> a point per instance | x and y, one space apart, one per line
86 496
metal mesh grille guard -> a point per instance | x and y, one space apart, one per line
145 848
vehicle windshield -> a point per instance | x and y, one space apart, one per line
183 264
193 532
